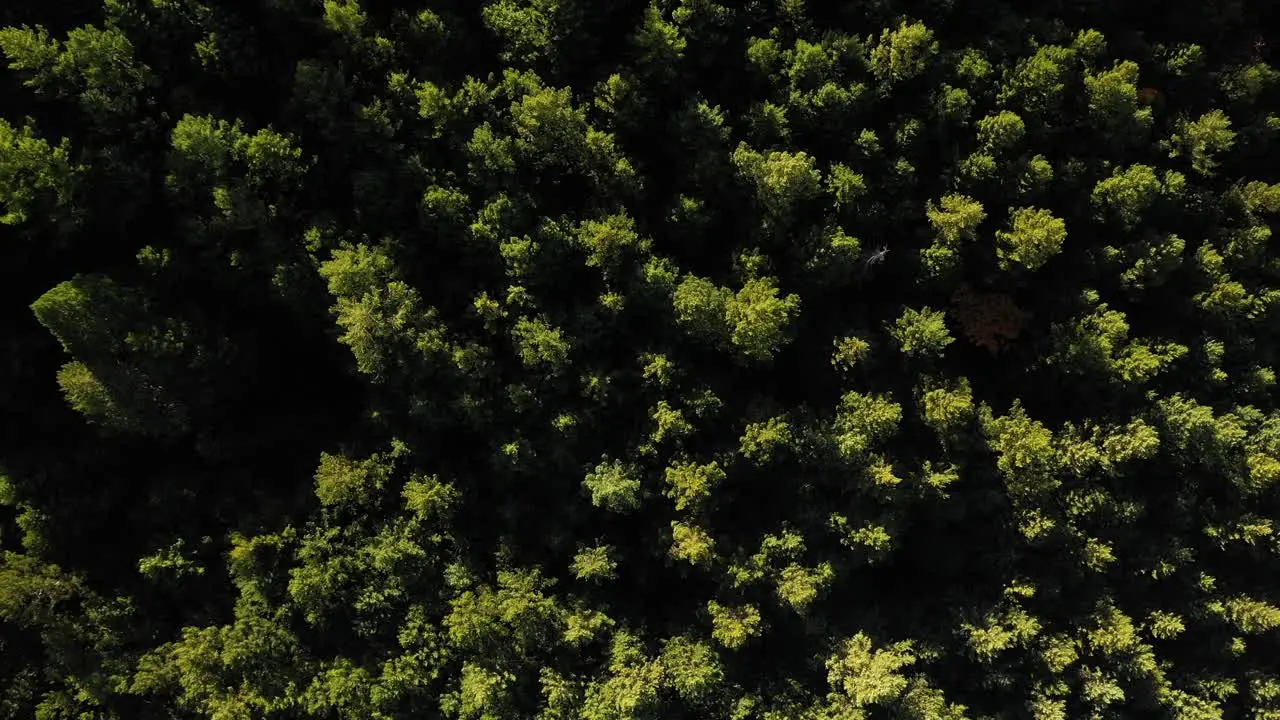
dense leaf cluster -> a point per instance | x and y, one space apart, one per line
548 359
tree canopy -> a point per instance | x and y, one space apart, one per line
644 359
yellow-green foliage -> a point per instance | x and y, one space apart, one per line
734 626
549 360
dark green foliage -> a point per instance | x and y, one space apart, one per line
683 359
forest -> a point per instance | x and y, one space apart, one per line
639 360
